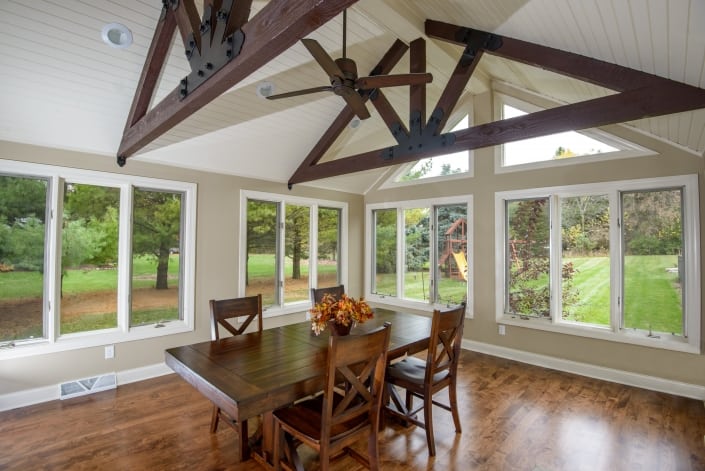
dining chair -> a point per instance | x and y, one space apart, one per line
318 293
222 312
424 378
332 421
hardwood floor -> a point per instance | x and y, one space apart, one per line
514 417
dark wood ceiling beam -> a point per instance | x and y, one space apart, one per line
573 65
626 106
389 115
383 67
156 58
239 15
417 93
640 95
270 32
459 78
189 22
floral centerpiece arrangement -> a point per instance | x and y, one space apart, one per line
345 311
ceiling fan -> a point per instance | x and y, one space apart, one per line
344 81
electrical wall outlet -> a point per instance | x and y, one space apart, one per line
502 329
109 352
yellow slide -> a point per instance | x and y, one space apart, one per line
462 263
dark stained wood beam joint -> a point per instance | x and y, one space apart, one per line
476 43
213 54
580 67
641 95
275 28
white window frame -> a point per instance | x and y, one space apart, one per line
613 332
400 206
283 200
628 149
54 342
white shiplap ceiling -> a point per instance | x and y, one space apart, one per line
62 87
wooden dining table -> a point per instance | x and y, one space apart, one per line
254 374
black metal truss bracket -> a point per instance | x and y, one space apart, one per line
213 55
418 140
476 41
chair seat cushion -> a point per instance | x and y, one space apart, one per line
413 370
305 417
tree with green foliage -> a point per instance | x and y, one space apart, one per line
22 214
529 287
156 228
328 232
298 223
261 229
385 240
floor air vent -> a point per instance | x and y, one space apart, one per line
85 386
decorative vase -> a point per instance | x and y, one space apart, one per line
341 329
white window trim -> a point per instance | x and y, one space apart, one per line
633 150
691 231
123 333
412 204
299 306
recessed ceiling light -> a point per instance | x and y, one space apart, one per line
116 35
265 89
355 123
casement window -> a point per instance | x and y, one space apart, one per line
290 245
418 252
89 258
617 260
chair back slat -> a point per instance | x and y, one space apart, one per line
222 311
445 340
318 293
354 382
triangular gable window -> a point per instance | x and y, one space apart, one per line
562 148
439 167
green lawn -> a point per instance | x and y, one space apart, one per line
416 287
18 286
651 296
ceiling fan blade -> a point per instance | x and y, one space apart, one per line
322 57
379 81
355 102
326 88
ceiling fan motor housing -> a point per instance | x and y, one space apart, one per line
349 69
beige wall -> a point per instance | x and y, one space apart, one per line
689 368
217 258
216 264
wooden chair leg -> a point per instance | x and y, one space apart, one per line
214 418
324 455
373 451
454 407
428 424
277 446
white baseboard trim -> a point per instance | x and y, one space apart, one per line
29 397
653 383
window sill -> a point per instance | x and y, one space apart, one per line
91 339
392 302
603 333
